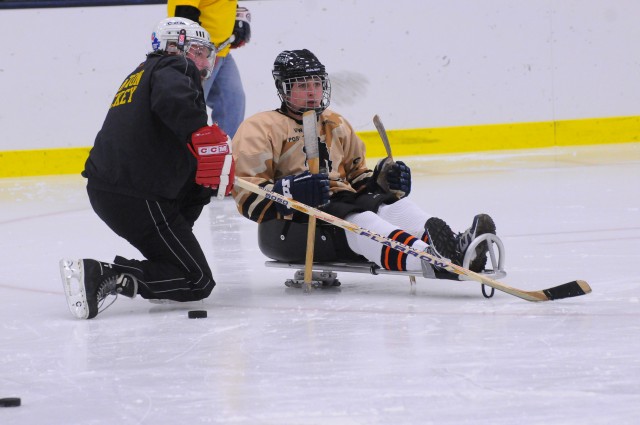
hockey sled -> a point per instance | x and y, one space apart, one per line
325 273
574 288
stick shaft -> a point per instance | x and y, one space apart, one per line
311 233
570 289
311 145
225 43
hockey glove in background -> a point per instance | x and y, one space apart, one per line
242 28
393 176
310 189
212 148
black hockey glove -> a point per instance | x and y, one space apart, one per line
242 28
310 189
393 176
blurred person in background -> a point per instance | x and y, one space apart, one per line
230 28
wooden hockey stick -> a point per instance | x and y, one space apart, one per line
309 121
387 147
382 182
383 135
570 289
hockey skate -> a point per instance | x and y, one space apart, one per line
87 283
441 243
441 240
482 224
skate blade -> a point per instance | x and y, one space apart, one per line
73 284
314 284
162 301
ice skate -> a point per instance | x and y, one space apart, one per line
441 243
442 240
87 283
482 223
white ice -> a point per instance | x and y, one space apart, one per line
372 352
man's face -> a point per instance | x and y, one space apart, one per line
305 93
202 56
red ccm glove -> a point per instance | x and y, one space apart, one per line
212 148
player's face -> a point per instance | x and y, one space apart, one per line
306 93
202 56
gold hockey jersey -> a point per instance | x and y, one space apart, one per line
270 145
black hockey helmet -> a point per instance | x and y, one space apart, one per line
293 66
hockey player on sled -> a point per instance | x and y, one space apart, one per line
269 151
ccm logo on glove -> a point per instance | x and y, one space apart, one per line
213 150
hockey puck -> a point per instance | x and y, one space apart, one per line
10 402
197 314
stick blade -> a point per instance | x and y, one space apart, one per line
383 135
566 290
378 123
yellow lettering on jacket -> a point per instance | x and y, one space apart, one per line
126 90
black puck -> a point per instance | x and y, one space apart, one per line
10 402
198 314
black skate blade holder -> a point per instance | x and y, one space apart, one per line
319 278
324 273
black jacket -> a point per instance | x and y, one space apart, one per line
141 149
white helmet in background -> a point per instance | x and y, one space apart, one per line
185 37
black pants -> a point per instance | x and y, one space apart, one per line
175 267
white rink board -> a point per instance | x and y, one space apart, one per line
416 63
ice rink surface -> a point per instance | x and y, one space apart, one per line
373 351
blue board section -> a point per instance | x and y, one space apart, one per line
29 4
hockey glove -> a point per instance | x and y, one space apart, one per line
393 176
212 148
310 189
242 28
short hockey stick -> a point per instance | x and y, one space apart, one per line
387 147
570 289
309 121
383 135
225 43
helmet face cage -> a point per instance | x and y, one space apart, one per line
302 81
184 37
204 56
301 94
